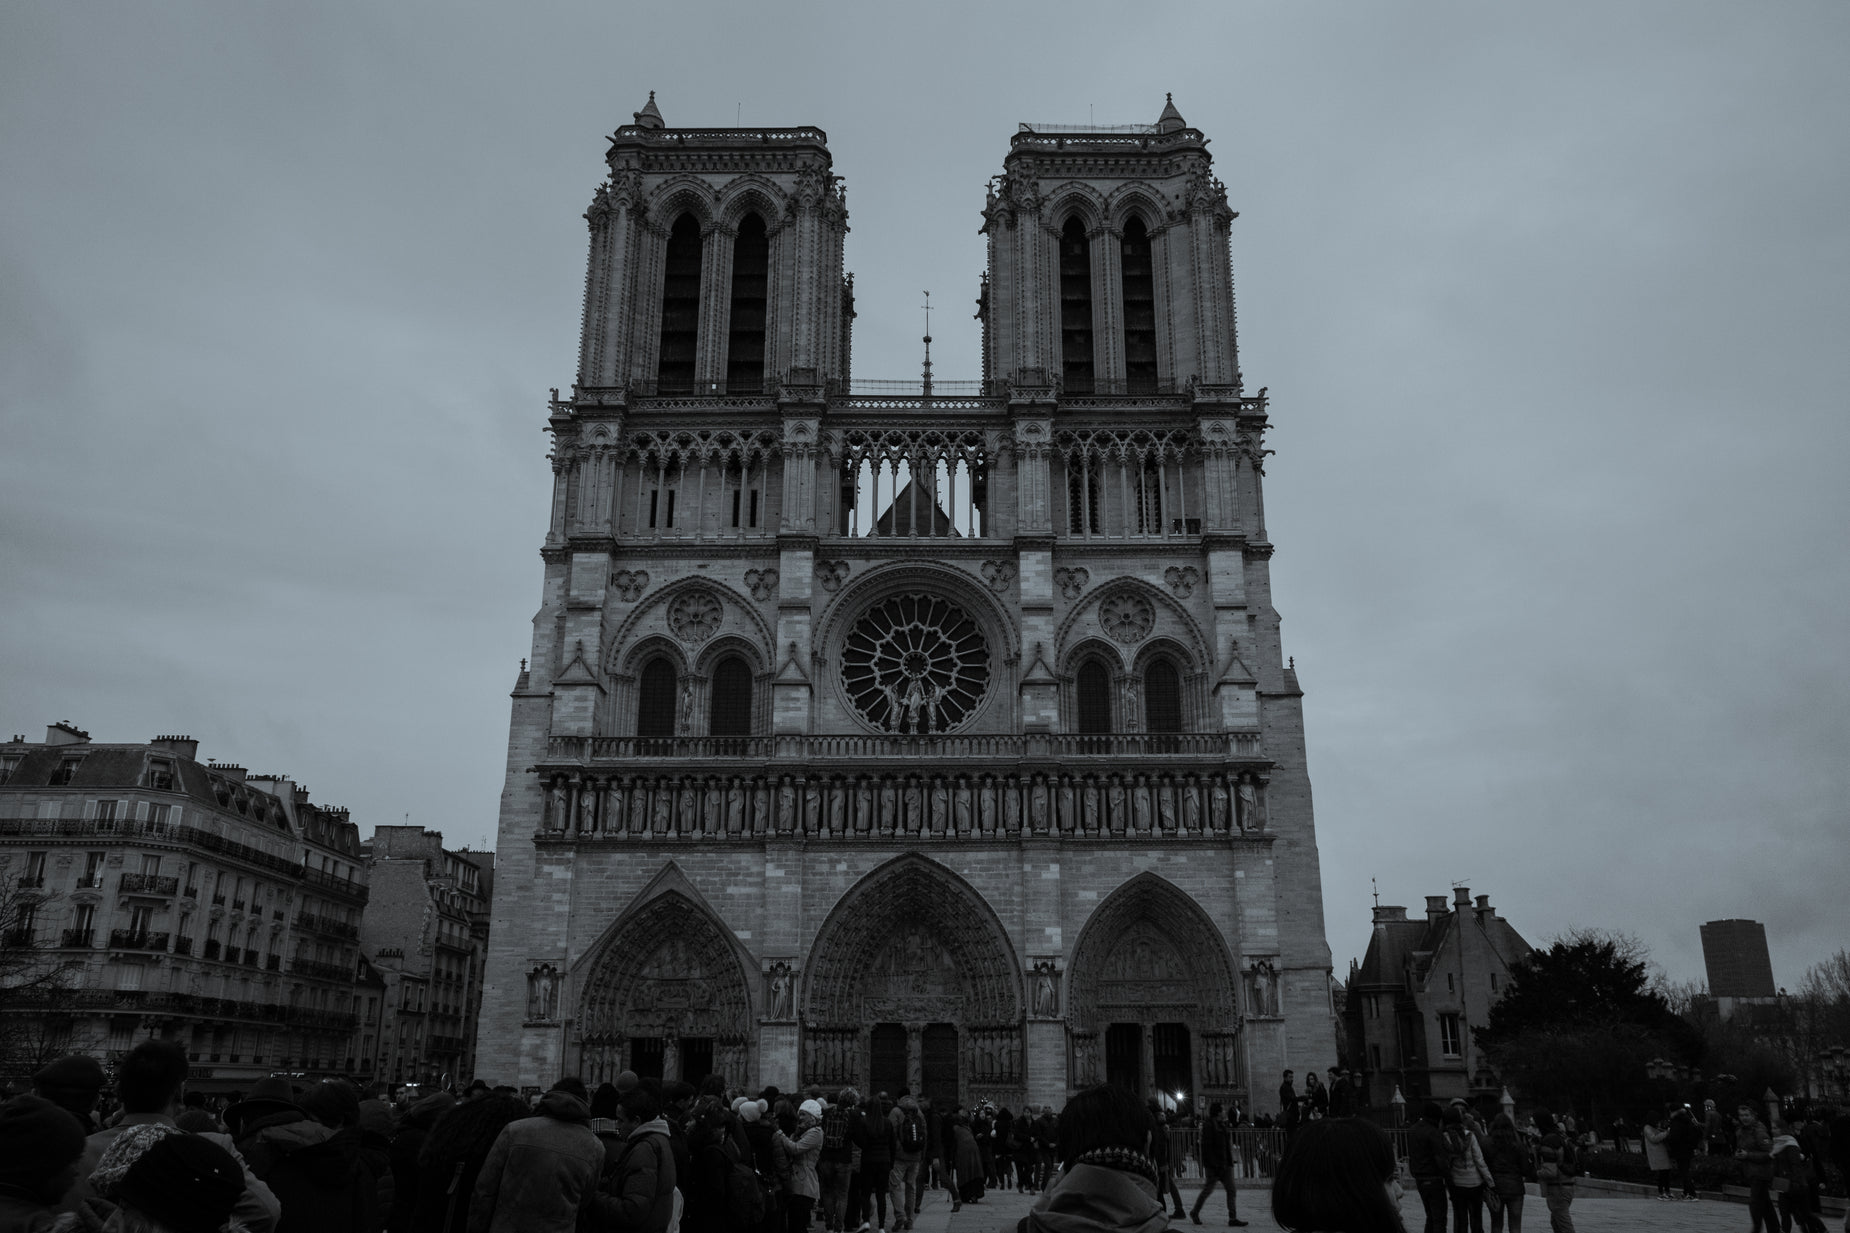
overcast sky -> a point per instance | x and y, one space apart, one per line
1551 300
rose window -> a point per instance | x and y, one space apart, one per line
915 664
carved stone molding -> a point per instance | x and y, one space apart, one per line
1072 582
695 615
630 584
831 574
1182 579
763 583
999 575
1126 616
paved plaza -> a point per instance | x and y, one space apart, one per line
1593 1213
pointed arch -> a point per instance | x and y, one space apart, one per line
912 940
1149 952
666 967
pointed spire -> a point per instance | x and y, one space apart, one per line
1171 120
650 116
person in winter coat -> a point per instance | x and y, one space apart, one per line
1217 1165
1429 1160
1337 1176
636 1192
1557 1150
1470 1174
835 1164
909 1141
1796 1203
1681 1139
1109 1181
406 1144
183 1182
542 1170
799 1152
450 1161
967 1162
873 1134
150 1083
1656 1136
1753 1147
40 1146
1510 1165
705 1187
320 1176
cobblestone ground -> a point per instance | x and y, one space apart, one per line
1593 1213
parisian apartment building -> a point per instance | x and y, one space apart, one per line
425 935
1421 986
146 894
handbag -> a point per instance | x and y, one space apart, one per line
1493 1200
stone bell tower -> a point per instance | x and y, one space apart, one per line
930 735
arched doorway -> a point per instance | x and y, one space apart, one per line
912 957
665 995
1151 998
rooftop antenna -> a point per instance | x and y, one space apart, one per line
927 373
1377 890
738 113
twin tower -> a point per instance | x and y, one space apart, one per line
901 734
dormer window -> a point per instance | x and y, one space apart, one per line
66 769
160 774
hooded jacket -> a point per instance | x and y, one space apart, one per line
636 1188
320 1176
540 1172
1094 1198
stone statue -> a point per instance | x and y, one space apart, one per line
940 806
986 805
542 994
1166 805
1046 992
1114 806
786 806
735 808
1191 804
587 807
659 815
889 807
690 710
556 805
812 808
960 807
1218 817
1037 805
1140 804
1249 804
780 991
915 805
687 801
1011 804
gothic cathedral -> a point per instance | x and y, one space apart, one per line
925 736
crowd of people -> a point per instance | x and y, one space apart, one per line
639 1155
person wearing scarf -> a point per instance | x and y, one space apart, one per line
1107 1181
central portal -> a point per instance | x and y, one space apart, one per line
910 959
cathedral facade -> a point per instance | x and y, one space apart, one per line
932 736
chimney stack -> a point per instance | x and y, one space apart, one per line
1461 897
1389 913
180 746
64 732
1435 909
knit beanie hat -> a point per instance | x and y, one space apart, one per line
812 1108
185 1182
748 1111
37 1140
71 1082
332 1103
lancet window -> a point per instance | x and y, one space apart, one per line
1137 276
913 483
674 371
1128 485
730 712
1076 308
707 484
751 260
1162 697
1093 690
655 701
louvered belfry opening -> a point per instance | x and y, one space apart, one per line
655 700
1139 309
1162 697
1076 308
751 264
732 698
674 371
1094 687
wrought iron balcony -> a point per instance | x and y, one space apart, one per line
252 959
183 946
78 937
327 925
19 938
191 892
92 881
29 881
320 970
149 884
212 948
136 939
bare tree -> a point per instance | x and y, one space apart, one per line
35 983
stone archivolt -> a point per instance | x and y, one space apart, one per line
667 970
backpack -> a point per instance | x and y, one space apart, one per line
911 1133
835 1127
747 1195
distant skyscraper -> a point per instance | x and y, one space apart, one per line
1735 953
